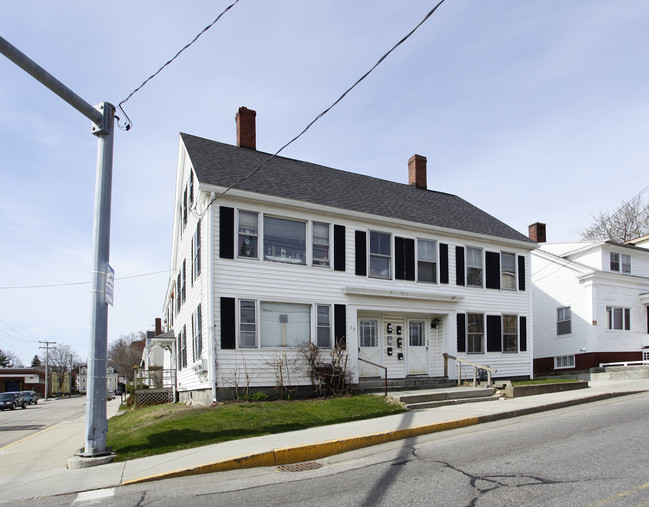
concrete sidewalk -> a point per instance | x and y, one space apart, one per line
269 450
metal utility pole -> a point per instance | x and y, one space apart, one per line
47 364
103 117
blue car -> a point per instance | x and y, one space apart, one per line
31 397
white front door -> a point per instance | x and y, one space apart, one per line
417 348
368 340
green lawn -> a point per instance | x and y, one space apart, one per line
165 428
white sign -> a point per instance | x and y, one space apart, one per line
110 284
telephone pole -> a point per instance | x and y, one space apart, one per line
103 119
47 363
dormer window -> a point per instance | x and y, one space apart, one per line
620 263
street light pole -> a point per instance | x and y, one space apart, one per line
103 117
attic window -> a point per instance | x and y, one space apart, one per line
620 262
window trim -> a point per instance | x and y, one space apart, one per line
197 334
314 244
249 234
318 326
372 255
267 244
569 357
434 262
513 274
483 346
469 266
625 318
569 320
240 323
517 334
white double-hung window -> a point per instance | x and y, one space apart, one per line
474 267
426 260
380 255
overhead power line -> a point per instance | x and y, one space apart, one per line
129 123
339 99
46 286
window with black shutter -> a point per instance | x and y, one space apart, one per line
340 325
494 333
443 263
521 272
228 323
361 253
461 332
523 333
339 248
226 232
492 261
459 265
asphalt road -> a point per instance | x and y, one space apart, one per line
593 454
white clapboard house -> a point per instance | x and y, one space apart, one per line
591 303
268 257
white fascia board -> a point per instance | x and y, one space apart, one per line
616 278
402 294
564 262
360 216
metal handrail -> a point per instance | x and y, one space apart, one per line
488 369
379 366
625 363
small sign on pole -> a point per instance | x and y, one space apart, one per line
110 284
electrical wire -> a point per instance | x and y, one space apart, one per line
46 286
338 100
129 123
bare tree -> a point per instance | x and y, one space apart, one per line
60 360
126 352
630 220
9 360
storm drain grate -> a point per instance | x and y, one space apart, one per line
300 467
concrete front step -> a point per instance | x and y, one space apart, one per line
433 404
403 384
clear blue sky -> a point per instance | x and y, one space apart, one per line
533 111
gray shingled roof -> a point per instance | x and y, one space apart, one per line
223 164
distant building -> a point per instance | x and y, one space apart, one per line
23 379
112 379
591 303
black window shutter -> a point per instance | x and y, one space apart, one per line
339 247
409 256
492 261
226 231
494 333
523 333
399 258
340 325
521 272
361 253
443 263
228 323
461 332
459 265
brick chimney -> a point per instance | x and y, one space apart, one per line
537 232
158 327
417 171
246 131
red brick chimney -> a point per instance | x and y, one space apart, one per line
158 327
246 131
537 232
417 171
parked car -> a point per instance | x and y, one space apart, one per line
31 397
111 395
12 401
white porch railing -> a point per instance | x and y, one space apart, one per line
475 366
625 363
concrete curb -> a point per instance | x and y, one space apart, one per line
318 450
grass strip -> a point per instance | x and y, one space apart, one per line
166 428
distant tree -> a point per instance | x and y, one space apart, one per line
126 352
36 362
9 360
630 220
61 358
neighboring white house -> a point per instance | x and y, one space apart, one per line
112 383
591 301
270 252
